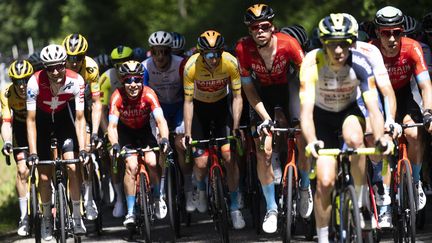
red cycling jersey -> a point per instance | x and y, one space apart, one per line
134 113
39 92
288 50
408 62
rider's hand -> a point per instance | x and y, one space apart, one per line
265 127
427 120
180 129
7 148
394 127
84 156
164 145
313 147
32 159
385 145
95 141
115 147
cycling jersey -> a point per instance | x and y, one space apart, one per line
39 93
375 59
108 82
409 61
335 91
167 84
11 101
90 73
288 51
209 87
134 113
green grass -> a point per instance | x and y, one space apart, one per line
9 210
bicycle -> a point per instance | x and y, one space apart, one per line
253 192
144 200
35 215
345 214
216 191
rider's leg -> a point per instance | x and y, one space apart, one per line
415 147
265 172
131 171
74 177
21 184
200 172
232 175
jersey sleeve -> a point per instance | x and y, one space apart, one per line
243 64
188 77
379 70
295 52
308 77
364 73
5 109
420 70
105 87
32 93
232 66
114 102
79 93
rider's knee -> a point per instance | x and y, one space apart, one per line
354 140
325 185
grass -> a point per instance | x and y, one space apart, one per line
9 210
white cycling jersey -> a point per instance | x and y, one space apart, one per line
168 85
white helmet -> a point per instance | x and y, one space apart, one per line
53 54
160 38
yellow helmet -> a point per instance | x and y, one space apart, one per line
20 69
210 40
338 26
121 54
75 44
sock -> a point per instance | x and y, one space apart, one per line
304 182
377 169
130 203
269 195
361 191
234 200
119 192
201 185
23 207
323 234
416 172
46 208
76 209
156 190
187 178
88 195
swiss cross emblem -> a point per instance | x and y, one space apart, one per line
54 103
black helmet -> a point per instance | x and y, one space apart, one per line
258 12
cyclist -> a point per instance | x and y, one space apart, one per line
139 54
35 61
109 82
14 132
76 48
129 126
162 74
209 77
103 61
299 33
178 44
330 80
403 58
267 55
48 111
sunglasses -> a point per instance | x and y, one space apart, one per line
58 67
132 79
212 54
77 58
264 27
335 43
163 52
391 32
19 82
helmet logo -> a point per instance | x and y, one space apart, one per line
257 9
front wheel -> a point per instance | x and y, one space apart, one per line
145 212
173 204
288 207
221 210
34 213
407 211
351 216
62 207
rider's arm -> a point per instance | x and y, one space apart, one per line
113 118
96 113
31 131
161 122
188 86
426 91
237 102
80 122
6 128
254 99
6 131
237 106
422 75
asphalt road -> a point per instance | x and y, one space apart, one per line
202 229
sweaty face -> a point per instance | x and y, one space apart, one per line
390 38
56 73
161 56
261 32
337 51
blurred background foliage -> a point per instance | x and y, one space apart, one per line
108 23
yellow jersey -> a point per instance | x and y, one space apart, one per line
206 86
12 105
90 73
108 82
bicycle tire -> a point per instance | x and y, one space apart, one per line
254 194
221 210
145 211
96 192
34 213
407 220
62 207
173 210
351 216
288 208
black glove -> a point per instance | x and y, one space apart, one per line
84 156
32 158
7 148
95 141
427 118
116 148
164 145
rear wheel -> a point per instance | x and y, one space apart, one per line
221 210
288 207
145 212
351 216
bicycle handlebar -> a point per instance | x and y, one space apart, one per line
14 148
53 162
359 151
